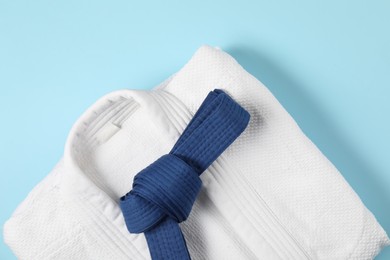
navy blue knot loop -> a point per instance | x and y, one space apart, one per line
164 192
167 187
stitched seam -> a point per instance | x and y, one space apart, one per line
103 227
300 246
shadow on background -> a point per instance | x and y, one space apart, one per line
320 130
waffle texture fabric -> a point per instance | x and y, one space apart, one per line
163 193
270 195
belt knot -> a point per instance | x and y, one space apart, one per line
164 192
167 187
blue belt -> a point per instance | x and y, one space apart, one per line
163 193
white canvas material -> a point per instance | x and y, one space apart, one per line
271 195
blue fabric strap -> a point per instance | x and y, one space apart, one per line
163 193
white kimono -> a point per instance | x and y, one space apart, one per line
271 195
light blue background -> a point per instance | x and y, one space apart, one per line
328 63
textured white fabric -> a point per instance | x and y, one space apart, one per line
270 195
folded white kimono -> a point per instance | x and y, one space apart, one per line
271 195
